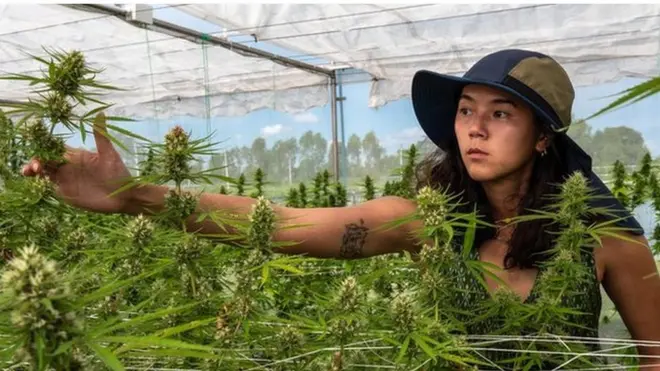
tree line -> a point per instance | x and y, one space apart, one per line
301 159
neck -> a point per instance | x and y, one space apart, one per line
504 195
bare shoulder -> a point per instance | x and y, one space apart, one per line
627 252
632 282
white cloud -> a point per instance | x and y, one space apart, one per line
306 118
393 142
268 131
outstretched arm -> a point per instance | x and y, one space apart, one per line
631 279
347 232
88 178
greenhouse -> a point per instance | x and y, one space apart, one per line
305 107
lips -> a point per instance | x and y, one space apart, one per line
476 152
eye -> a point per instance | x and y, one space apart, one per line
464 111
501 114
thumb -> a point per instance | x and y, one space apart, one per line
103 143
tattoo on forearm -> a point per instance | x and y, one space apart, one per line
353 240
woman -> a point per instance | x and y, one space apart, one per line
506 145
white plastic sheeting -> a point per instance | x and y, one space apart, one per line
595 43
152 66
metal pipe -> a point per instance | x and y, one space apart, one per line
340 101
198 37
9 102
333 118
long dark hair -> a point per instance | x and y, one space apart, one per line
530 240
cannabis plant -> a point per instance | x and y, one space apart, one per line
369 189
405 186
240 185
259 182
292 199
63 269
302 194
619 183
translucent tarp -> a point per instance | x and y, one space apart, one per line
596 43
153 66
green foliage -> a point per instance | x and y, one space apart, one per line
97 291
619 188
149 164
324 192
302 195
68 274
405 187
369 189
609 144
259 182
629 96
240 185
292 199
341 198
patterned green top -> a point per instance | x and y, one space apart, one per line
587 307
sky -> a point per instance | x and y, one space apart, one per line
395 123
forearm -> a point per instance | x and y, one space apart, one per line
345 233
150 200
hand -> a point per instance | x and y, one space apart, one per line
87 178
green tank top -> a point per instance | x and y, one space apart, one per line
588 304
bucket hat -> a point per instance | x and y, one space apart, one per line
536 79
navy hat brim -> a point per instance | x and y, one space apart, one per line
435 99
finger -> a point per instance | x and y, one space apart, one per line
103 144
27 170
71 153
36 166
32 168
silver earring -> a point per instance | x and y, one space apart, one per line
544 153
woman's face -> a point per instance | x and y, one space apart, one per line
496 133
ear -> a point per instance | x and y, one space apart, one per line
543 142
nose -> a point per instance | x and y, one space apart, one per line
477 127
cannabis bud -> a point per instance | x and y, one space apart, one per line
77 239
434 256
47 228
262 226
58 107
177 155
222 323
246 279
140 231
180 204
348 298
39 188
42 143
573 196
403 314
190 250
434 286
39 299
342 329
290 340
69 73
432 206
